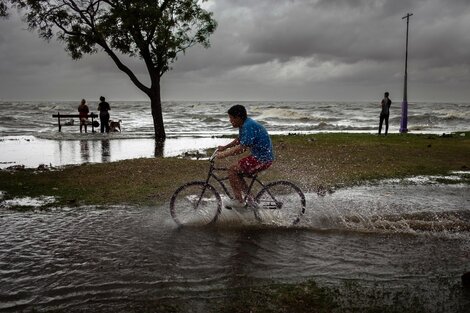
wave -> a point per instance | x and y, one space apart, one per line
288 114
210 120
435 119
29 117
456 116
8 119
420 127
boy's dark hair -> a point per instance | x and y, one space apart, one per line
102 98
238 110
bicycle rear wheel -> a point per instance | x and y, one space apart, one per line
282 202
195 203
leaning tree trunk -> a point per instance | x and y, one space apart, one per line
157 114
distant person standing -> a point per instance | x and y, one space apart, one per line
83 114
104 107
385 113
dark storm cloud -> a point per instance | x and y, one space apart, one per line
351 31
289 49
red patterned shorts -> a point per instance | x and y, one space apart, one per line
250 165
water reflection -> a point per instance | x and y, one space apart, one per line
32 152
105 151
84 151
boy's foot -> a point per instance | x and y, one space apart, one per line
234 204
251 203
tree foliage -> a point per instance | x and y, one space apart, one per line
3 9
153 30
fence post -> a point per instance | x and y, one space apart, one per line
58 120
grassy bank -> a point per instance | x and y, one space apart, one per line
312 161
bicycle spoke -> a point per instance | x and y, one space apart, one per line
281 203
195 203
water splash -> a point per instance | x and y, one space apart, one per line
419 206
27 202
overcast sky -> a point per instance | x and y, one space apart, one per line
340 50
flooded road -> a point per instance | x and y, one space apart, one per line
396 241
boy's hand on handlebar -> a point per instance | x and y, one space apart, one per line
220 154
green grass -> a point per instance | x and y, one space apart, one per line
312 161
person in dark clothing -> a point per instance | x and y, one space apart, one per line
83 114
385 113
104 107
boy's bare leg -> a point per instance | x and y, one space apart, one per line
237 182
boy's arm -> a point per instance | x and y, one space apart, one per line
238 149
234 143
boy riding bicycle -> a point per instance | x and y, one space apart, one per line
252 136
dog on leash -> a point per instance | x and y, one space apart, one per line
115 126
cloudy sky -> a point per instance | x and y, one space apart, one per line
339 50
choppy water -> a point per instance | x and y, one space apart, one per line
399 242
209 118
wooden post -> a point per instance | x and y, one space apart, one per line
58 119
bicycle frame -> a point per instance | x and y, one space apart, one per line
271 196
220 180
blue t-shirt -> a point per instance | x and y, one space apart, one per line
254 135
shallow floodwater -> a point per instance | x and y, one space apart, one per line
31 151
404 243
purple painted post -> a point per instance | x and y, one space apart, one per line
404 117
404 104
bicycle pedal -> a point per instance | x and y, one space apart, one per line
252 205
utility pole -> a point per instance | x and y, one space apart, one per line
404 104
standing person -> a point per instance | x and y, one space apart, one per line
385 113
83 114
252 136
104 107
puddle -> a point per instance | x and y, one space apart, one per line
32 152
410 240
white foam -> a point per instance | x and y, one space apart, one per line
29 202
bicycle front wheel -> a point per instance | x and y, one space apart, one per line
282 202
195 203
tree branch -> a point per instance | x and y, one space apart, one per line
123 67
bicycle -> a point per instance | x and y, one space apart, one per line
198 200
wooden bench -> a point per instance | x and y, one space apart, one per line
59 116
